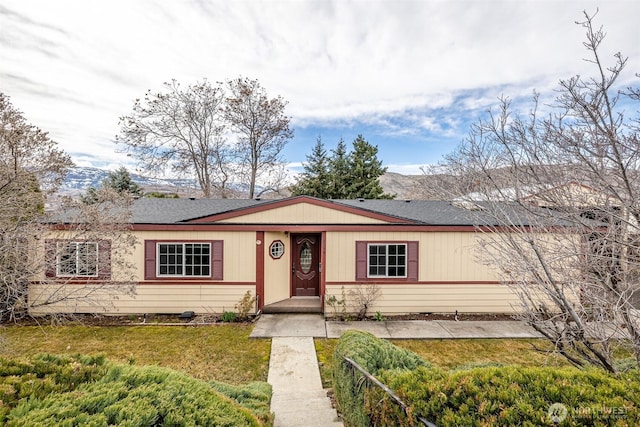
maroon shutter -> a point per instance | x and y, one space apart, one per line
104 259
361 260
149 259
217 258
412 261
50 247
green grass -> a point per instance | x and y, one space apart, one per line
219 352
449 354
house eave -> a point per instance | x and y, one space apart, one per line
303 228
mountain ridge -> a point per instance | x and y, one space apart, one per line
80 178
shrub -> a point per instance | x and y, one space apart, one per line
228 317
255 396
514 395
374 355
481 395
53 390
364 297
246 304
335 304
45 374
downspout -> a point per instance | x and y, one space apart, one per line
323 269
260 270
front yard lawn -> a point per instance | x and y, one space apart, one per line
220 352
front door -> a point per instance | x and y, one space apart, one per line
305 268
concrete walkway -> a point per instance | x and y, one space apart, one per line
298 398
312 325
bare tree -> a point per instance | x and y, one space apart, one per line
31 168
27 157
27 154
262 131
364 297
86 256
181 129
559 203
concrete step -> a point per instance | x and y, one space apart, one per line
306 416
300 394
294 305
294 405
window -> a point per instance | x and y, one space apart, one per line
387 260
276 250
172 260
76 259
184 259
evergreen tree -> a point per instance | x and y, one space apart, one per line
339 174
344 175
119 181
314 179
364 172
159 195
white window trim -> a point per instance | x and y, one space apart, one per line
60 247
158 274
406 260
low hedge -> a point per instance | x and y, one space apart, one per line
375 356
514 395
477 396
255 396
52 390
43 375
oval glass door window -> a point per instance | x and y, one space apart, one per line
305 257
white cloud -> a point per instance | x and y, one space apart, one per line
75 66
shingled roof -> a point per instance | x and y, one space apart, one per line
422 212
172 211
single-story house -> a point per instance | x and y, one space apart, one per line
203 255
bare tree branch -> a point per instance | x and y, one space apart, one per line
560 209
262 131
183 130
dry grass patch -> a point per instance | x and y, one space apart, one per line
218 352
448 354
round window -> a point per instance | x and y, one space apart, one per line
276 250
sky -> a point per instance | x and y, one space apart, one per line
410 76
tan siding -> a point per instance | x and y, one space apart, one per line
239 251
116 274
444 256
203 299
443 298
302 213
239 267
276 271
